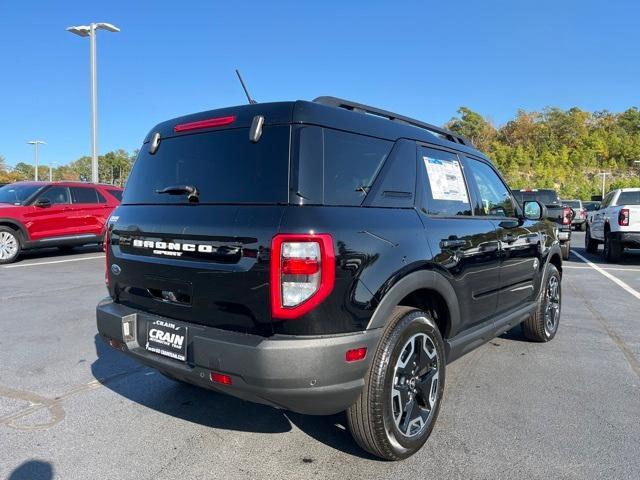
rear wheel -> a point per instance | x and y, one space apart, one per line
612 248
590 244
397 409
9 245
543 324
565 248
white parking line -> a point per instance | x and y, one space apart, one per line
22 265
614 279
611 269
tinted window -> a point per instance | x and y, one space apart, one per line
494 195
117 194
607 200
572 203
17 193
351 163
56 195
225 167
84 195
546 197
591 206
446 190
629 198
101 198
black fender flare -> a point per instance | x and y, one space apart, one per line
420 279
17 224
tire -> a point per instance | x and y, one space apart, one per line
539 327
10 245
590 244
565 248
612 249
380 420
583 227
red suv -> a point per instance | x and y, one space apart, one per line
53 214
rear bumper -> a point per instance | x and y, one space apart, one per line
628 239
303 374
564 235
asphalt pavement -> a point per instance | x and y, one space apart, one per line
73 408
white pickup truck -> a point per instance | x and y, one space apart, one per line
616 224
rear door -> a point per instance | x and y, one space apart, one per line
463 244
520 239
89 209
206 259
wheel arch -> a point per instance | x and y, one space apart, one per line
15 225
424 289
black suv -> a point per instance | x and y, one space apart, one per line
323 256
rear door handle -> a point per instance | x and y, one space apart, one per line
453 243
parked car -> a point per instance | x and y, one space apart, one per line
579 214
338 259
616 224
48 214
556 211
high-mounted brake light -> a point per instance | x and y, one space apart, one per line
208 123
302 273
623 217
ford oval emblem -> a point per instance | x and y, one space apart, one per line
115 269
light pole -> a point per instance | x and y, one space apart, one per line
90 31
35 143
51 171
604 175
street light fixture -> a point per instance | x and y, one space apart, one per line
90 31
35 143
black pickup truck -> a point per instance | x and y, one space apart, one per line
556 211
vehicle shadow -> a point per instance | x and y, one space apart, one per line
56 253
32 470
149 388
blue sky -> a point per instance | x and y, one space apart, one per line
422 58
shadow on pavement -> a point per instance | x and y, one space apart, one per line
32 470
57 253
204 407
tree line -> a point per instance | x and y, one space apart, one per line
560 149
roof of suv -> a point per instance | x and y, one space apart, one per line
325 112
66 184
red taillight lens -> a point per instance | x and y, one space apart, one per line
208 123
356 354
220 378
567 214
302 273
623 217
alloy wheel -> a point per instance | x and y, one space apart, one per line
414 393
552 305
8 246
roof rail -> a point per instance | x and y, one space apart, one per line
394 117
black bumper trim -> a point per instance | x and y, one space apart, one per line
303 374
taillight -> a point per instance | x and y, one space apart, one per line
208 123
623 217
567 215
302 273
583 213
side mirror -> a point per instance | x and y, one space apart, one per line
43 202
533 210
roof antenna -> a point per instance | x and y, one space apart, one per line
246 92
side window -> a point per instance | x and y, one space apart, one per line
56 195
84 195
101 198
494 195
607 200
351 164
117 194
446 190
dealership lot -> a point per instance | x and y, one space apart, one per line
71 407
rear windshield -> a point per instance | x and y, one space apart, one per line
224 166
629 198
572 203
17 194
591 206
546 197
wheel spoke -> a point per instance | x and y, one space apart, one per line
409 416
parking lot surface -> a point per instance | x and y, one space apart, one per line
73 408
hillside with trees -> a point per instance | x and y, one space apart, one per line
560 149
553 148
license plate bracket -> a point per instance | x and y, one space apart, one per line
167 339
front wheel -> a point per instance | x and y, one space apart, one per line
543 324
399 403
9 245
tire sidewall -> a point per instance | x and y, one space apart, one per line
551 271
412 323
17 236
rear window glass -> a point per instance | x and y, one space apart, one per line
224 166
629 198
546 197
572 204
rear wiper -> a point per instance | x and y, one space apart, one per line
189 190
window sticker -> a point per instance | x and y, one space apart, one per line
446 180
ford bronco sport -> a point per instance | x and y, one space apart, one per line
323 256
